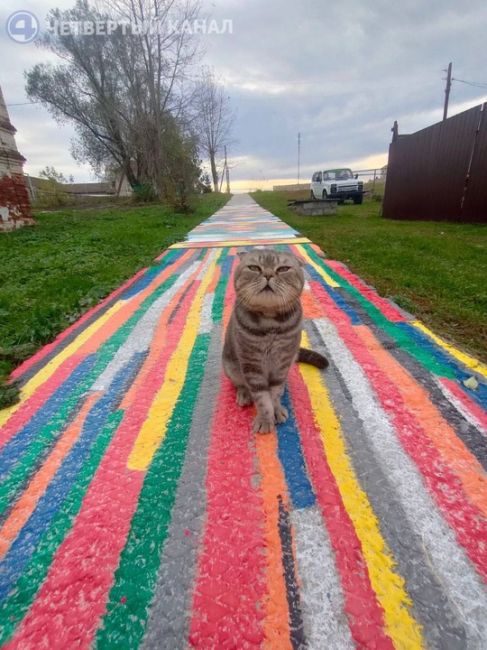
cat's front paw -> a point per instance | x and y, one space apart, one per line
243 396
262 425
280 413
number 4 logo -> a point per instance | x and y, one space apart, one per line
22 27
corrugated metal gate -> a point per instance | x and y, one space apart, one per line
440 172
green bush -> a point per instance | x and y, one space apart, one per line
144 193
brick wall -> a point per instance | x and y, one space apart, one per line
15 209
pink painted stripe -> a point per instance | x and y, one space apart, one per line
370 294
82 571
364 613
466 520
472 407
228 597
47 349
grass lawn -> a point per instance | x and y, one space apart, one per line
436 271
53 272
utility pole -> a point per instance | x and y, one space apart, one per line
227 171
299 157
447 91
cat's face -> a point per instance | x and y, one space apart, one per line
268 281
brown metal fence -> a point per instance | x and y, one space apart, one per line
440 172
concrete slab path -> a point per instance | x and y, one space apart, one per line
138 510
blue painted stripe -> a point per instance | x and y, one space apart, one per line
49 504
151 274
291 456
338 299
227 265
18 444
479 395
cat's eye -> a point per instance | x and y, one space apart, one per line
283 269
254 267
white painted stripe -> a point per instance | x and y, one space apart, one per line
141 336
206 322
211 257
325 621
470 417
465 588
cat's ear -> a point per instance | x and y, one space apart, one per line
300 261
241 254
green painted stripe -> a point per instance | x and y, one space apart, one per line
15 607
400 336
221 288
135 579
48 433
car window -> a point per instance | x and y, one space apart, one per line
318 177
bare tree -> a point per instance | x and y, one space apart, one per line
124 91
214 119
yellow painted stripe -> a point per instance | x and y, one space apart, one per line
388 585
240 242
327 278
153 430
50 368
467 360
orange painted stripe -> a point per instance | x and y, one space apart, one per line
159 341
25 506
273 485
415 397
311 307
121 316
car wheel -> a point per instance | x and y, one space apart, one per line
358 200
325 195
311 195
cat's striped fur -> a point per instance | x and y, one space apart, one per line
264 332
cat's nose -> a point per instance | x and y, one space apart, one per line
268 275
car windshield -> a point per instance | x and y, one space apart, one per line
338 174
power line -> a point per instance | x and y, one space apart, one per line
476 84
21 104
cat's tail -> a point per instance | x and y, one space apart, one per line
313 358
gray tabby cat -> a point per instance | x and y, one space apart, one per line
263 335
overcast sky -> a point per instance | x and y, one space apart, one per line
338 72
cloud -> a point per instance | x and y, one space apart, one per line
340 73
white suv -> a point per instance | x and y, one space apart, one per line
338 184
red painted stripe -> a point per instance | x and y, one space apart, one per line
82 571
42 393
33 403
466 520
230 293
18 372
370 294
477 412
364 613
230 589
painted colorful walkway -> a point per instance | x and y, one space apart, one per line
138 510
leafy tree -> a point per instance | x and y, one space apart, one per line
123 91
51 174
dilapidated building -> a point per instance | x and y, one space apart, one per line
15 208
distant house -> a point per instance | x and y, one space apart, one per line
118 187
15 210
